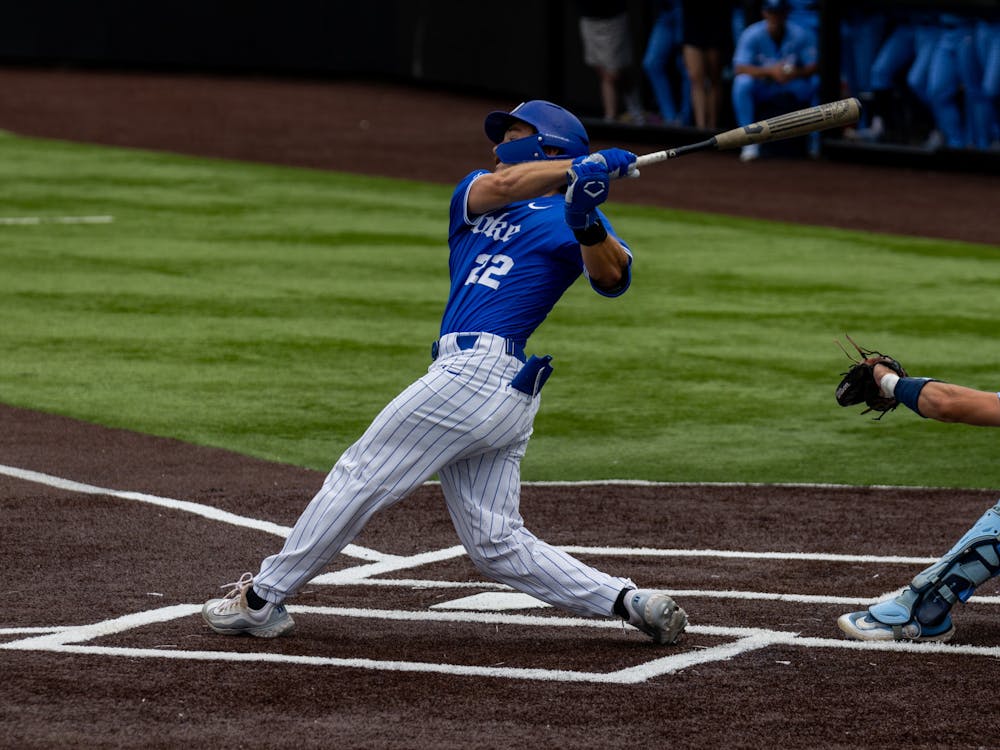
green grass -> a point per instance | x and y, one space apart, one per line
274 311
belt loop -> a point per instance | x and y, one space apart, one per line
435 347
514 350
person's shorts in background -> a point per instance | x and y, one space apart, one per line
707 24
606 42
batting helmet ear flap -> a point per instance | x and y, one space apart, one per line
555 127
523 149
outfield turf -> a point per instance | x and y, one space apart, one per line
274 311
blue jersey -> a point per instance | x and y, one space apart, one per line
510 266
756 47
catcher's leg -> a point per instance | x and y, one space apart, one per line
922 611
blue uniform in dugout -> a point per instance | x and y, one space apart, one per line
775 64
519 237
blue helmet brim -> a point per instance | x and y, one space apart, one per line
497 123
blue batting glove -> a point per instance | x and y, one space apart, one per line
587 181
621 163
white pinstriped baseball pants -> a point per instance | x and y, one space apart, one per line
463 421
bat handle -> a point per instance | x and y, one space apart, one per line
654 158
673 153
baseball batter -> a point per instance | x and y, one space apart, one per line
519 236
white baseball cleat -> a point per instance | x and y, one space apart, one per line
231 615
656 615
861 626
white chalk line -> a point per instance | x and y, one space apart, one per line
33 220
68 640
30 631
384 562
744 554
198 509
746 639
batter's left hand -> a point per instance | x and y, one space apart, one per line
588 180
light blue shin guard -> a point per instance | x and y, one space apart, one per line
953 578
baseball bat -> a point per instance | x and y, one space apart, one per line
800 122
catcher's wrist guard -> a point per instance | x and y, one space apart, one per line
888 384
907 392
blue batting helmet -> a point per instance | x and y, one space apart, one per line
555 127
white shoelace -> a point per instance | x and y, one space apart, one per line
236 589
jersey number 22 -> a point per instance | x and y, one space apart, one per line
489 268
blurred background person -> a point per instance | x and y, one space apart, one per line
707 41
944 94
663 63
979 65
861 35
775 67
805 13
745 12
607 48
908 47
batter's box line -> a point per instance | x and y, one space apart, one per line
354 577
398 562
199 509
746 640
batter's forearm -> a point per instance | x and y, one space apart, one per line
606 262
518 182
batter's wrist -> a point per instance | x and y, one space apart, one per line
593 234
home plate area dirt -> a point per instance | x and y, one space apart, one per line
112 540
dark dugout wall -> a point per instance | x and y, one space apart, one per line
531 50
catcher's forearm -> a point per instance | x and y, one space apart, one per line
943 402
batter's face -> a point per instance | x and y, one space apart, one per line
516 130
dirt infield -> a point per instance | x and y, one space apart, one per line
72 559
111 540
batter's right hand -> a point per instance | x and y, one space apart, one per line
621 163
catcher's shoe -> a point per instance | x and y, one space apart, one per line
861 626
231 615
656 615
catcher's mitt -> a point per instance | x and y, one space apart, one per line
858 384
